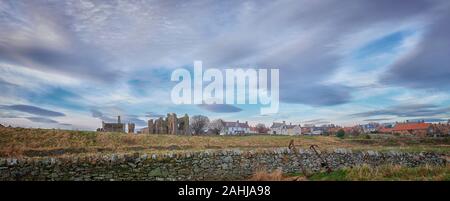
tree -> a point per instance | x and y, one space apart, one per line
216 126
198 123
261 128
340 133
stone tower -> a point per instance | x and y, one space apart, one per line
131 127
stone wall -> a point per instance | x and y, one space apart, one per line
205 165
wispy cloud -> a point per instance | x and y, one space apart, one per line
72 56
419 110
220 108
42 120
32 110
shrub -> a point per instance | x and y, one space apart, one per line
340 133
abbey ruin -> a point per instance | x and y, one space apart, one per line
169 125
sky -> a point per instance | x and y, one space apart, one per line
74 64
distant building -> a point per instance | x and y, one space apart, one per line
370 127
131 127
294 129
256 130
113 127
278 128
253 130
384 129
441 129
234 128
306 129
417 129
284 129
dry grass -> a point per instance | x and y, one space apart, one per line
262 175
365 173
397 172
40 142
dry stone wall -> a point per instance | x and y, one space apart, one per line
204 165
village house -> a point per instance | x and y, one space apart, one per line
307 128
284 129
418 129
256 130
253 130
441 129
316 131
278 128
369 128
234 128
310 129
347 130
294 129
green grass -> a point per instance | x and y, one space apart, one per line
386 173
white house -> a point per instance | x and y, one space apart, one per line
278 128
283 129
234 128
294 129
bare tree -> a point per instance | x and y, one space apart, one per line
261 128
216 126
198 123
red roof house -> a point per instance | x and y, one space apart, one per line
418 129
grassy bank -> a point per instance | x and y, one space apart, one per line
42 142
366 173
387 173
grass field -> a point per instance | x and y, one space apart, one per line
365 173
44 142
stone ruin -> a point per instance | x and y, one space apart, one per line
170 125
113 127
131 127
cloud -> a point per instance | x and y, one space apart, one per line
135 120
97 114
317 121
414 110
127 118
377 119
428 65
316 95
42 120
32 110
154 115
430 120
220 108
46 121
37 36
131 48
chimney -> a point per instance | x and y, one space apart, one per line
290 124
284 122
237 121
118 119
246 122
